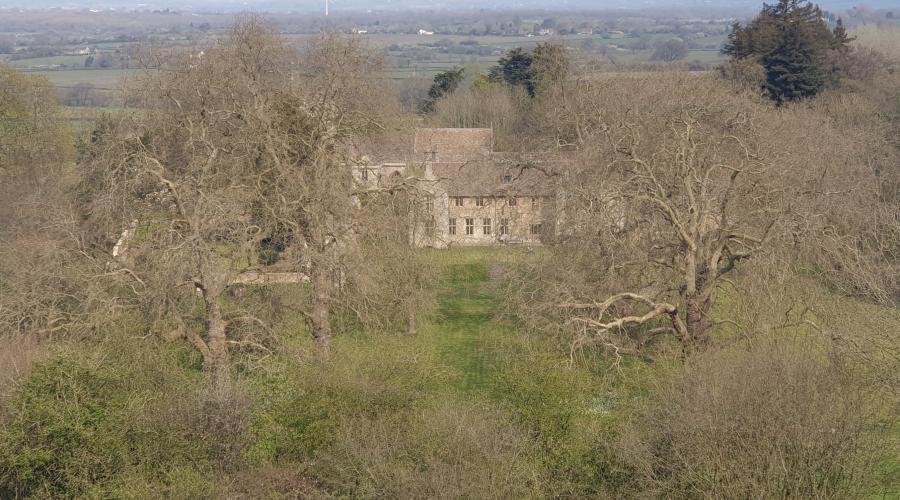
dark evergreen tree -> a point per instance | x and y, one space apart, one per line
793 68
515 69
738 44
761 36
791 40
841 38
754 40
445 82
547 65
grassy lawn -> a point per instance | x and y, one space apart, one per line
464 329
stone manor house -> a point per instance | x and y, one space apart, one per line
476 196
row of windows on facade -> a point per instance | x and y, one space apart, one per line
459 201
486 227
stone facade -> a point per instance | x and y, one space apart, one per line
478 197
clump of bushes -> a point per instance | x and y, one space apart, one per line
126 418
302 399
18 355
570 415
450 448
773 420
380 418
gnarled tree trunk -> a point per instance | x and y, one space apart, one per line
321 311
697 322
216 357
411 320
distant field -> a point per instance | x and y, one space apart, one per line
402 65
705 56
108 78
44 62
84 119
417 56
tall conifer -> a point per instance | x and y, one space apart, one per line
793 69
791 40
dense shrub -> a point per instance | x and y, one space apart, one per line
270 482
449 449
300 401
59 440
570 415
771 421
18 355
127 418
743 74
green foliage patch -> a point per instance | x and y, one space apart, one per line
124 418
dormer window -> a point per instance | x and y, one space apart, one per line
507 179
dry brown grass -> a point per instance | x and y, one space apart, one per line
270 482
450 449
18 355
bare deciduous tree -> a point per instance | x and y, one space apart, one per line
186 170
40 287
310 193
694 192
678 183
244 143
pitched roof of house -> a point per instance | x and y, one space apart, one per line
499 174
447 144
464 161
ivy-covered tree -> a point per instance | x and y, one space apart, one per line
445 82
548 63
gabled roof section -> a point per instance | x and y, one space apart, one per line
500 174
448 144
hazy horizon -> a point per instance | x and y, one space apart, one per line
338 7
